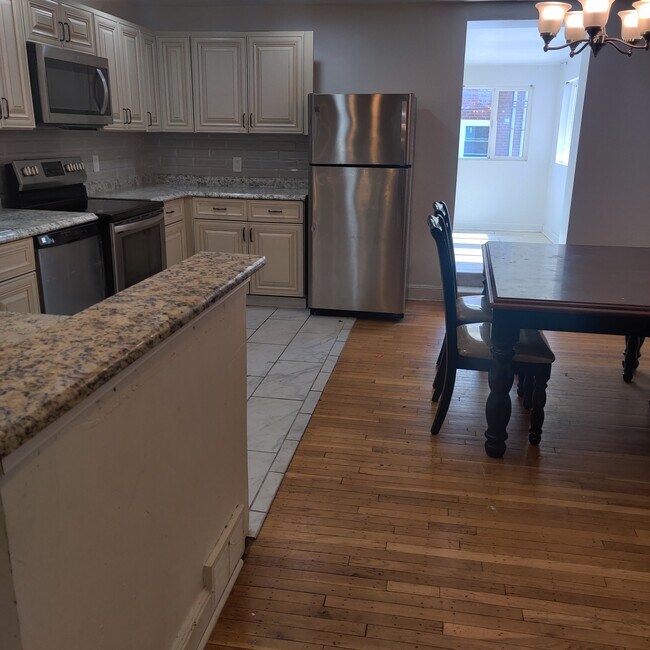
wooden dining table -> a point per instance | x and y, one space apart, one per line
591 289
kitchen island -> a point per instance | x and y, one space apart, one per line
123 482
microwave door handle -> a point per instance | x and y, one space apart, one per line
158 219
102 78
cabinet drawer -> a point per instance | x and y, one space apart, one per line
275 211
174 211
231 209
16 258
20 294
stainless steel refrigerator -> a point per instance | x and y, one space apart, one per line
361 154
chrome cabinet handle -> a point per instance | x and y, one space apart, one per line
250 121
243 120
62 38
126 116
219 209
251 235
243 233
69 37
274 211
5 104
150 118
130 116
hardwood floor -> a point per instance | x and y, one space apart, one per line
383 537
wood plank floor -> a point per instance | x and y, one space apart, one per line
383 537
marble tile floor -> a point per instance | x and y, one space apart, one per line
291 356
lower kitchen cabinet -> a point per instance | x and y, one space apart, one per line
220 236
282 245
175 243
20 294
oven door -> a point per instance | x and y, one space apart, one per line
69 88
138 249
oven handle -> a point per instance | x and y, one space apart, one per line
102 78
141 224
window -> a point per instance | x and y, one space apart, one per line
494 123
567 117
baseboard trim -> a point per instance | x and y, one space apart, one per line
276 301
424 292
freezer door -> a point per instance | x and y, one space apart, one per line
358 239
361 129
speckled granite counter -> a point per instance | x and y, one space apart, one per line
15 327
50 372
18 224
170 191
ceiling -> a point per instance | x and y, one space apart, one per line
216 3
510 42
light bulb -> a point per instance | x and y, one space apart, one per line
629 25
574 28
596 12
643 10
551 15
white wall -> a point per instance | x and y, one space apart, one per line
511 194
560 178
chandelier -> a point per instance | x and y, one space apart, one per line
587 27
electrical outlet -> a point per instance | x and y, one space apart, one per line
236 164
95 163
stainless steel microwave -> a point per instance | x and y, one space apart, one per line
69 89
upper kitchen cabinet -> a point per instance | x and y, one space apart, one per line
252 83
61 24
150 93
16 109
175 70
121 44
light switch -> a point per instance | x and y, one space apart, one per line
236 164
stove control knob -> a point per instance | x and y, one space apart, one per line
81 166
26 171
68 167
35 170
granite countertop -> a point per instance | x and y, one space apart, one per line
179 190
18 224
51 371
16 327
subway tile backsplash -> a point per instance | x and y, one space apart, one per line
125 159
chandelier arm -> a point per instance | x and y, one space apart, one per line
548 48
614 43
577 51
627 44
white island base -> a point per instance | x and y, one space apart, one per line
122 524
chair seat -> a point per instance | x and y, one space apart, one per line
473 309
474 342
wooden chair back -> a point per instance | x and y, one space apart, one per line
440 234
441 210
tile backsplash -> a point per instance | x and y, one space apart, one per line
126 158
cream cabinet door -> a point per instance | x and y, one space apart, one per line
219 236
130 90
282 245
108 46
79 29
175 243
150 93
175 69
275 84
219 67
20 294
42 22
16 109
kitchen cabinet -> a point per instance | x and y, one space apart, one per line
120 43
175 70
252 83
18 283
270 228
150 89
175 232
16 108
61 24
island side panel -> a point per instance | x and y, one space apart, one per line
110 523
9 628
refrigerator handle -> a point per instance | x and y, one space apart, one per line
403 128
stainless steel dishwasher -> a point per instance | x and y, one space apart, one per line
70 264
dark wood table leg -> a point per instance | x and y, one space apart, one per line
501 377
631 356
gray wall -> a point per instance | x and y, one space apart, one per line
396 47
611 189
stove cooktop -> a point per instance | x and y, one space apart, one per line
119 209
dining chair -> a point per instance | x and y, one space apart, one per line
469 348
469 309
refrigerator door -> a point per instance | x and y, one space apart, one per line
358 238
361 129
